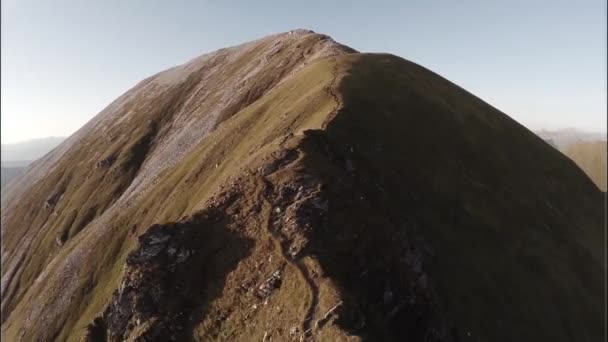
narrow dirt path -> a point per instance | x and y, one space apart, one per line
307 327
331 90
300 268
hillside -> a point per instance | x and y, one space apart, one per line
291 188
591 157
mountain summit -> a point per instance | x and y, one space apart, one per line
294 189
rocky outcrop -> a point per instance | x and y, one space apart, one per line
163 286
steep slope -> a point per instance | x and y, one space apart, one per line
290 188
591 157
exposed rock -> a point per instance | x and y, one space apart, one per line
269 285
53 199
106 162
159 293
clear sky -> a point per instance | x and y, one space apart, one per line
541 62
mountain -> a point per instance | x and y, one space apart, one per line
586 149
291 188
26 151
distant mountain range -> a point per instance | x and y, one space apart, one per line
591 157
586 149
29 150
563 138
8 173
15 157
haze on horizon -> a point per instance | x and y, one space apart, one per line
543 65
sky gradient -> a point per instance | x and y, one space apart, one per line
541 62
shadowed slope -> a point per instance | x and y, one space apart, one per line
515 228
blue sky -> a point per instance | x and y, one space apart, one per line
541 62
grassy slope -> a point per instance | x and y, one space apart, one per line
517 248
302 102
88 191
298 104
591 157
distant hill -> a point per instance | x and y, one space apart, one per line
17 156
591 157
586 149
28 150
15 163
563 138
11 169
8 173
293 189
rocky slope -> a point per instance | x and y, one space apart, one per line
293 189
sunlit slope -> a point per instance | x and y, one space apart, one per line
64 209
